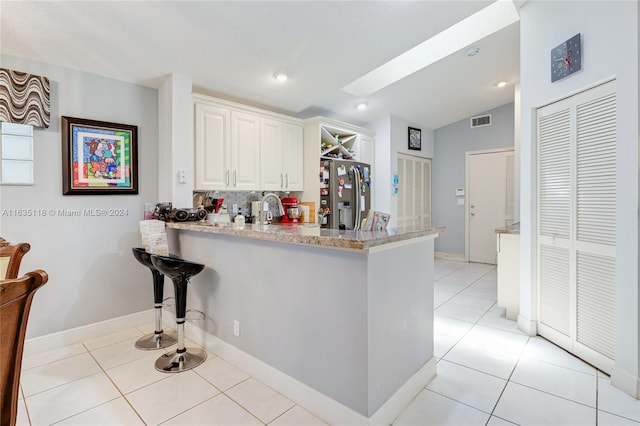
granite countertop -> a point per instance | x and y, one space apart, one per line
312 234
509 229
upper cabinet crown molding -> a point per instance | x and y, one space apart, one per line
200 98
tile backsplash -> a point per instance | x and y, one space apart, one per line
242 198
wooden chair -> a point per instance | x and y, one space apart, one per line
10 258
16 296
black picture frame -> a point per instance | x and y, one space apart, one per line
415 139
99 157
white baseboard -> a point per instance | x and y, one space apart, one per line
312 400
458 257
528 326
391 409
626 382
85 332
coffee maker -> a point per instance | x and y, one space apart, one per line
291 211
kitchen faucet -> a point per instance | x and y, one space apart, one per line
263 213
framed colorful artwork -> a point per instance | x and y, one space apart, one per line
98 157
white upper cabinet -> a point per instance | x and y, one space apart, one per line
271 157
213 139
245 151
238 147
364 150
281 156
293 157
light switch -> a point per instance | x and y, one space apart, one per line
182 176
459 192
461 201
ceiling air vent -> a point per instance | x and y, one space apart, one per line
481 121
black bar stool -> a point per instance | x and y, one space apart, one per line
158 339
179 271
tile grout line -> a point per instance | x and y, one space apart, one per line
116 386
509 379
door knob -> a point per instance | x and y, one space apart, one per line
473 206
473 214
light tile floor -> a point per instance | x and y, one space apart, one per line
489 373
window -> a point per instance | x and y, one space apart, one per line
16 154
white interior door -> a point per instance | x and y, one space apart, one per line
414 190
488 207
576 141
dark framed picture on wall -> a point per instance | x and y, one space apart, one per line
415 141
98 157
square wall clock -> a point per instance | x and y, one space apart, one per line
566 58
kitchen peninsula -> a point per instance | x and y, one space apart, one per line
346 313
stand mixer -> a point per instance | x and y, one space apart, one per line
292 211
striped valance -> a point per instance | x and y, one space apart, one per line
24 98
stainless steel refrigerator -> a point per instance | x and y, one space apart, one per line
345 194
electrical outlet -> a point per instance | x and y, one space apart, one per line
236 328
234 208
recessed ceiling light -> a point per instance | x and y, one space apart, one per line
362 106
281 76
501 84
472 51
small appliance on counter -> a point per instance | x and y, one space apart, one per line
292 211
165 212
188 214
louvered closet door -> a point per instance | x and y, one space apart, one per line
414 190
554 220
576 224
596 224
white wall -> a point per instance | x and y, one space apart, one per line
392 137
382 167
92 273
610 49
451 144
175 105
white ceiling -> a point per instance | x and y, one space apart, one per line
232 50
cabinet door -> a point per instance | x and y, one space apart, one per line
271 157
212 138
364 150
245 151
293 158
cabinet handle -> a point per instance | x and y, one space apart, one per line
235 182
281 180
226 179
287 177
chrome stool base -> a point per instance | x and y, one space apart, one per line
175 362
155 341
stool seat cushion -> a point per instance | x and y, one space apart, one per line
143 257
175 268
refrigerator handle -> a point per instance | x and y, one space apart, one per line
356 190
